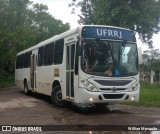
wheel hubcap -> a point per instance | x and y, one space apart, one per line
25 89
59 96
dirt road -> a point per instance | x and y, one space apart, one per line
19 109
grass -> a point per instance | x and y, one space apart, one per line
149 96
6 79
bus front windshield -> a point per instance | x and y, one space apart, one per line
109 58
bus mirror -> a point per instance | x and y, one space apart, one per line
139 55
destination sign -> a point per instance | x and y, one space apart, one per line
108 33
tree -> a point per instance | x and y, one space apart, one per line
151 62
13 31
151 58
45 24
22 25
141 16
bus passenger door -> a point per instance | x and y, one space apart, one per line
70 56
33 71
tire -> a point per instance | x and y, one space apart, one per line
26 92
56 97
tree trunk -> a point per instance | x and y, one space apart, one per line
159 77
152 73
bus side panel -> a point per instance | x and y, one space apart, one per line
39 79
20 75
44 79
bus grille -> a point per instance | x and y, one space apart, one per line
113 96
113 82
110 89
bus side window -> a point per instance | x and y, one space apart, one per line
41 56
17 62
58 53
48 54
27 57
22 61
76 58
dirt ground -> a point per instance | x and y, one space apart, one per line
36 109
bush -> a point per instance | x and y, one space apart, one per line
6 79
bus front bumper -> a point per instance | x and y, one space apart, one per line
86 96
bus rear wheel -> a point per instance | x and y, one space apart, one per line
26 92
56 97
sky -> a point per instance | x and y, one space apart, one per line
60 10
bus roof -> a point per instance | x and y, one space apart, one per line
66 34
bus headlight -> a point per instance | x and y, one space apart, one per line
134 87
90 87
87 84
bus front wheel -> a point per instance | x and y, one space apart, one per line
56 97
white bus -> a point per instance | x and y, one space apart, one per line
90 64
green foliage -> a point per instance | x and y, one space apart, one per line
46 26
142 16
22 25
151 60
6 79
149 95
